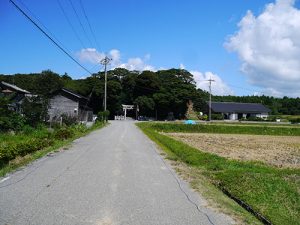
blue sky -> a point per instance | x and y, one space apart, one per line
155 34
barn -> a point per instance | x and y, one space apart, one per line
236 111
15 94
67 102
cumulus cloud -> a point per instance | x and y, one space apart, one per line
219 87
91 55
137 64
268 46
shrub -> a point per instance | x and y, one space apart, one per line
295 120
100 116
103 116
69 120
63 133
11 121
10 150
217 117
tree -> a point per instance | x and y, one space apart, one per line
47 82
9 120
146 105
35 110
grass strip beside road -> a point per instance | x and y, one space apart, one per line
227 129
37 144
270 191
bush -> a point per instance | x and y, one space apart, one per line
10 150
11 121
217 117
295 120
69 120
63 133
103 116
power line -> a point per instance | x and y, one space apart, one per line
43 25
78 18
73 28
47 35
88 21
70 24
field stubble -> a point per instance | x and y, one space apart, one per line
279 151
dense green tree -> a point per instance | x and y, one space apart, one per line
157 93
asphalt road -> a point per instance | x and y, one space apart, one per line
114 176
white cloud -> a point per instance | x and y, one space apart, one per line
91 55
269 47
181 66
136 64
219 87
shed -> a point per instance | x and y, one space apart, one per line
67 102
15 94
235 111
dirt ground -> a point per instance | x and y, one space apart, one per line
280 151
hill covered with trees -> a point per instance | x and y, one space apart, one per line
156 93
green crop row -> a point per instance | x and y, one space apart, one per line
226 129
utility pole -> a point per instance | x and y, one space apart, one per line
210 80
105 62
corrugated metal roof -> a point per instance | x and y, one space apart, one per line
14 87
234 107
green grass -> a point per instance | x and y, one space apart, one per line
31 142
227 129
271 191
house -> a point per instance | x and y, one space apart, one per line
66 102
236 111
15 94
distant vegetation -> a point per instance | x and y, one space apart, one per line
157 93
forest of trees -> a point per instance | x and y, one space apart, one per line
157 93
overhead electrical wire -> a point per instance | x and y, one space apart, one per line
70 24
48 36
79 20
40 22
90 27
72 27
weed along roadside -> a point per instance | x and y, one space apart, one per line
268 192
22 148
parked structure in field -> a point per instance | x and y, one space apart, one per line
236 111
66 102
15 94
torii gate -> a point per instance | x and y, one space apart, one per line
127 107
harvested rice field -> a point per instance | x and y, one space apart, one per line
279 151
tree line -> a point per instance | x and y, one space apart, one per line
156 93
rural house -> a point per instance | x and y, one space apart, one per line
236 111
15 94
66 102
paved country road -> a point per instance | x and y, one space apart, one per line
114 176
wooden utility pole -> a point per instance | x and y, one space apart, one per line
105 62
209 114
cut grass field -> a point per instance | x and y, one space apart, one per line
270 191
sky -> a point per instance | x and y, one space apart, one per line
249 47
